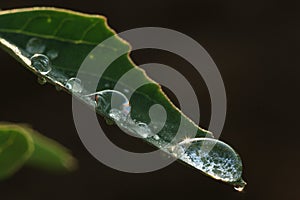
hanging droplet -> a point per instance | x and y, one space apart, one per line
211 156
41 80
35 46
41 63
108 100
240 185
52 54
74 85
58 88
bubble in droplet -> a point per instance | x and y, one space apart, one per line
41 80
211 156
74 85
35 46
41 63
52 54
108 100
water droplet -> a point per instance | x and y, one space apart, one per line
211 156
108 100
41 63
41 80
52 54
58 88
74 85
109 121
35 45
117 115
156 137
240 185
143 130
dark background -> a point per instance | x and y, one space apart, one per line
255 45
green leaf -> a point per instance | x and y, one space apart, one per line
50 155
67 38
73 35
20 145
16 146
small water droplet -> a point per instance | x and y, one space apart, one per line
41 80
240 185
143 130
35 45
117 115
74 85
156 137
52 54
239 189
109 121
58 88
41 63
211 156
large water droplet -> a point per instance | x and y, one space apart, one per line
211 156
74 85
35 45
41 63
52 54
112 100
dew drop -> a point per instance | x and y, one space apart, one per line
74 85
35 46
108 100
52 54
117 115
41 80
239 188
143 130
211 156
41 63
240 185
156 137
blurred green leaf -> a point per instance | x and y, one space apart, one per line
21 145
16 146
50 155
